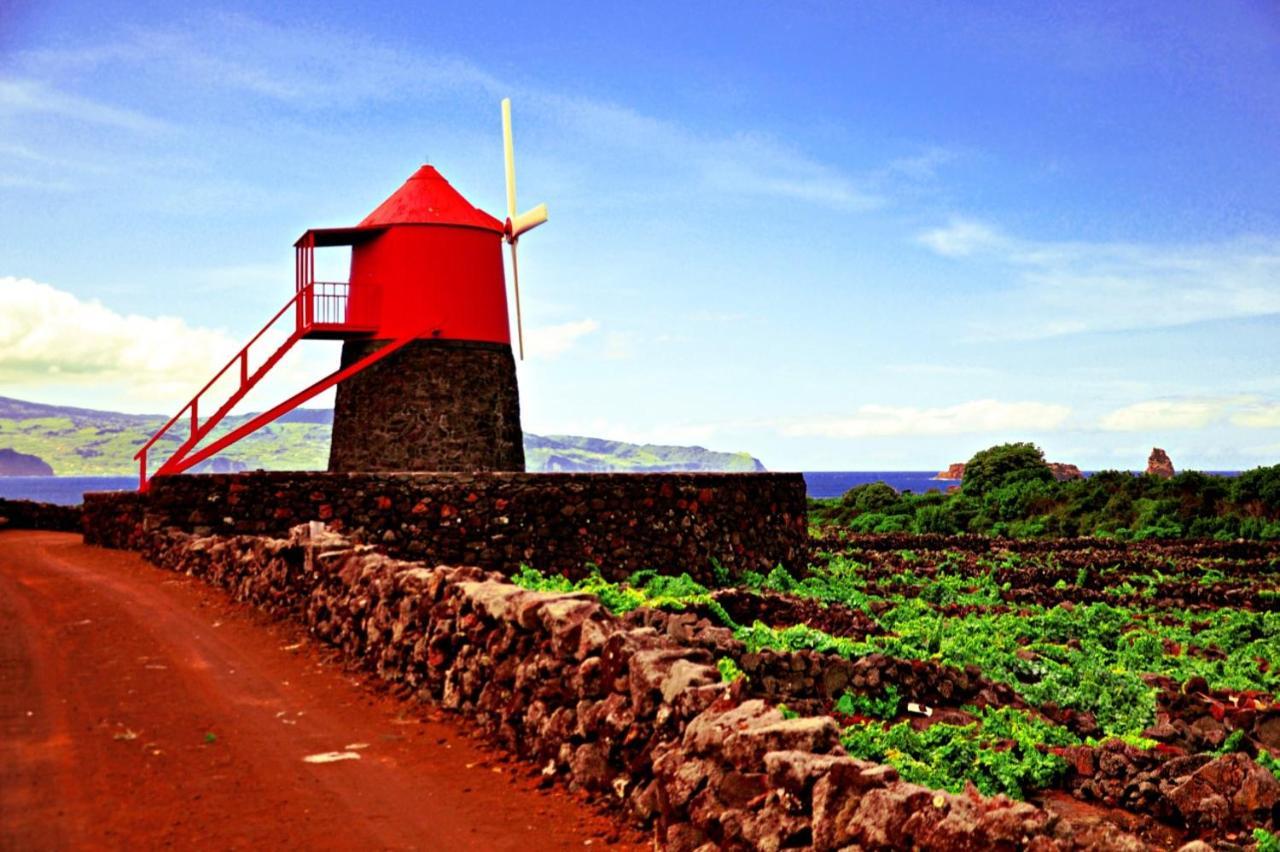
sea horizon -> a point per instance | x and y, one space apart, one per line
70 490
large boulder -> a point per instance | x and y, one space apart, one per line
1231 788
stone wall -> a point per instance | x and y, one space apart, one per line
636 715
437 405
30 515
498 521
113 519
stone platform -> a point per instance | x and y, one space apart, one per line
563 522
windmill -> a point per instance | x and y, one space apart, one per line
516 224
427 379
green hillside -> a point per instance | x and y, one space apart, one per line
85 442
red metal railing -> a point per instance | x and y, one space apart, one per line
328 303
247 379
316 304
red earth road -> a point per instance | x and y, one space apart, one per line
142 709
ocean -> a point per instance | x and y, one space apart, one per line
69 490
65 490
833 483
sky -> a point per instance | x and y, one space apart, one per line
839 236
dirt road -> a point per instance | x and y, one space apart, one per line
142 709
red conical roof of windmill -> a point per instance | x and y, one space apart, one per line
428 199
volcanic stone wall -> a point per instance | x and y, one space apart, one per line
436 405
31 515
561 522
636 715
113 519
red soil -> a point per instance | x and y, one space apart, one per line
142 709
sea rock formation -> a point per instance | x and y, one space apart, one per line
1159 464
1061 472
14 463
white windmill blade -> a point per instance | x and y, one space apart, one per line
528 220
509 149
516 224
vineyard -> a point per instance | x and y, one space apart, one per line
1133 683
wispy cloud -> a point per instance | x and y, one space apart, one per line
945 370
1259 415
1077 287
679 434
552 341
976 416
28 182
1245 410
920 167
20 96
314 68
962 237
1158 415
742 163
304 65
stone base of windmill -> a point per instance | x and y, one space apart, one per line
435 405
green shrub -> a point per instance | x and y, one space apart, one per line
933 519
870 497
1004 464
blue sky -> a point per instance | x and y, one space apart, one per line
838 236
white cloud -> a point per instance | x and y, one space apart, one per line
976 416
57 347
551 341
1245 411
1156 415
961 237
51 337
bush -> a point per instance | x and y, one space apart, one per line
1259 490
933 519
1009 490
870 497
1002 465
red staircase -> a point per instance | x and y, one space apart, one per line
320 310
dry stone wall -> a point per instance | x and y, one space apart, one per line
31 515
113 519
634 714
563 522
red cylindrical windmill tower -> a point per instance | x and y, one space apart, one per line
426 265
427 380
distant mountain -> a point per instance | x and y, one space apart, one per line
13 463
569 452
87 442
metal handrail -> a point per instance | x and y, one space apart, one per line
328 303
315 302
